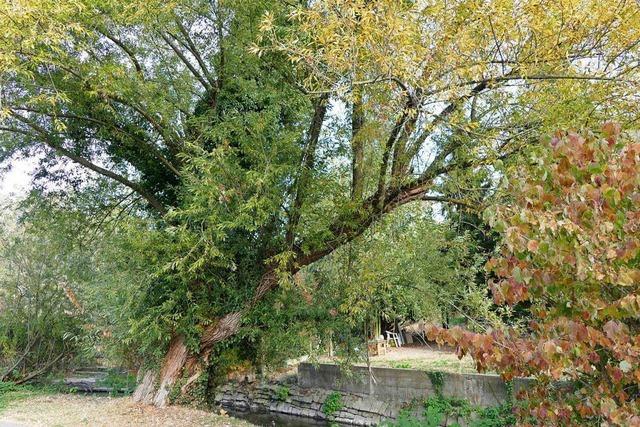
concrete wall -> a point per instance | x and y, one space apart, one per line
405 384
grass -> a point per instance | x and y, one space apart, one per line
121 383
446 365
9 392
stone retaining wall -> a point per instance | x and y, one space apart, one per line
358 410
367 396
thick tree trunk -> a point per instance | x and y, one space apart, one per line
154 387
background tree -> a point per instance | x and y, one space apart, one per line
65 288
256 168
571 248
405 268
40 314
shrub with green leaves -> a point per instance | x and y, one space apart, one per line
439 411
332 404
282 393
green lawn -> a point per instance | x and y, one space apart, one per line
446 365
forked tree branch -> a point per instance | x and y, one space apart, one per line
49 140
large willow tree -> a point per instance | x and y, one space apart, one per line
265 134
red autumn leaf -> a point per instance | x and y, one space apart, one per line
578 211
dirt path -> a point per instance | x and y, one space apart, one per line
78 410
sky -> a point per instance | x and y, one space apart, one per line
16 182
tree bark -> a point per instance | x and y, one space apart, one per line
357 146
179 363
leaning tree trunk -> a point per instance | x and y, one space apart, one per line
154 386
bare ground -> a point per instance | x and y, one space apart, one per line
78 410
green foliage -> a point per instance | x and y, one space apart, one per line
284 326
509 388
405 419
70 289
120 383
132 299
437 381
439 411
332 404
39 322
496 416
401 365
282 393
407 267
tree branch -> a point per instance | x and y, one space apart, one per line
164 133
20 359
441 117
186 62
40 371
357 146
126 50
196 54
46 137
401 130
384 165
148 117
307 162
118 129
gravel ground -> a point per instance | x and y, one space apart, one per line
78 410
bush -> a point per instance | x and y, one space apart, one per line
40 325
282 393
571 252
332 404
438 410
66 298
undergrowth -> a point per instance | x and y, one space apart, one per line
438 410
282 393
120 383
332 404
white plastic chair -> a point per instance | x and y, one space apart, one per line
395 337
